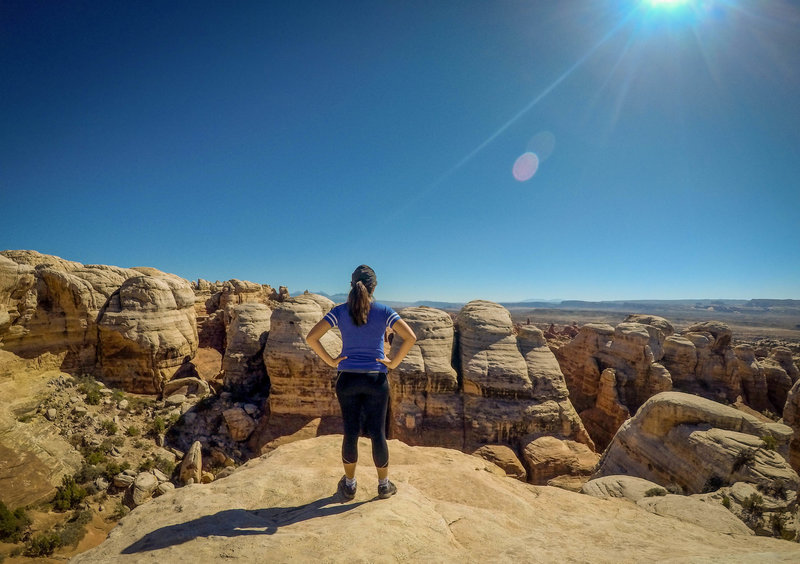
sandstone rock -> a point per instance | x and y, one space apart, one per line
448 509
579 363
164 487
175 399
503 457
123 480
50 414
664 326
186 387
239 424
426 407
300 382
548 457
791 417
206 478
753 381
710 516
160 476
783 357
141 490
243 362
692 442
146 331
618 486
764 510
778 384
605 418
55 306
191 469
500 401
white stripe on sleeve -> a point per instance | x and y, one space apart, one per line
392 319
331 318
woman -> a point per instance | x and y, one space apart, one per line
361 385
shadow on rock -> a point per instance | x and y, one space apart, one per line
236 522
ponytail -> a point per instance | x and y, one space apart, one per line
358 303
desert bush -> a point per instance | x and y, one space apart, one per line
165 465
118 396
68 495
87 473
675 489
95 457
133 431
43 544
775 488
726 502
75 529
109 427
158 426
112 469
120 511
753 504
655 492
744 458
770 442
12 523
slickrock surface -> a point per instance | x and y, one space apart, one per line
450 507
300 382
147 330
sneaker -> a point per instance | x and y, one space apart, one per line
344 490
386 491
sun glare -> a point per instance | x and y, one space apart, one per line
667 3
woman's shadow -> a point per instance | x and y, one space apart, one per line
235 522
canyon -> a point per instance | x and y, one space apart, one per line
694 412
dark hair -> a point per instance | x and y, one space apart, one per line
363 282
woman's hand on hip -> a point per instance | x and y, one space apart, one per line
334 363
388 362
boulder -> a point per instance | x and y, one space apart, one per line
186 387
141 490
240 425
619 486
191 469
300 382
548 457
146 331
697 444
711 516
505 458
243 363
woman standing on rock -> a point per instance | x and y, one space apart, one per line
361 385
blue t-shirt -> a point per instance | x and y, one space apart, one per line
362 344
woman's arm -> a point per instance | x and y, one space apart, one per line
409 338
313 337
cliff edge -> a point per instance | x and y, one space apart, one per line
450 507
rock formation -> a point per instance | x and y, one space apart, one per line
300 382
243 362
146 331
53 306
791 417
450 507
426 408
611 371
547 457
504 387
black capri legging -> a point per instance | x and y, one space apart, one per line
364 396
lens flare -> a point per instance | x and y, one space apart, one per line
525 166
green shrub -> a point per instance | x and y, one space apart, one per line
88 473
753 504
726 501
654 492
158 426
95 457
43 544
770 442
12 523
75 529
744 458
109 427
165 465
133 431
112 469
69 495
120 511
118 396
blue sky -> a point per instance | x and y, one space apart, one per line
288 142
